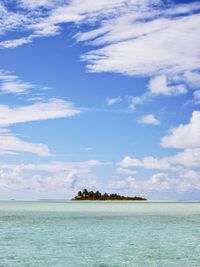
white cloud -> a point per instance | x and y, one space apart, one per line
16 180
192 78
138 100
147 162
130 162
184 181
186 158
51 109
15 42
4 130
15 87
159 45
92 184
149 119
54 108
185 135
12 84
56 176
11 20
136 37
112 101
125 184
158 182
61 181
159 86
12 145
197 96
125 171
55 167
189 158
47 23
34 4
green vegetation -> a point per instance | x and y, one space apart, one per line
90 195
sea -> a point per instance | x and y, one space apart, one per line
117 234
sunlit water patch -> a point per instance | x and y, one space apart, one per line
40 234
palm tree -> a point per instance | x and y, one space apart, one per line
85 193
80 194
98 194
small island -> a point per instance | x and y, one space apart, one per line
92 196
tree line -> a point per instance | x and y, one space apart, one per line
91 195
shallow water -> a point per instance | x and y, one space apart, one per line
40 234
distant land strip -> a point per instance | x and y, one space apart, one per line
91 195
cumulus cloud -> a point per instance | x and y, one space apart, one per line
192 78
92 184
186 158
159 86
184 181
149 119
185 135
51 109
147 162
54 176
180 172
15 180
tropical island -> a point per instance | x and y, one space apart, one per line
91 195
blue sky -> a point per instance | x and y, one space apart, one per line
99 94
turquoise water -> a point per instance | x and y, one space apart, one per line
104 234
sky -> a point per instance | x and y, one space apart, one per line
102 95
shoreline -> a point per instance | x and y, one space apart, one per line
99 201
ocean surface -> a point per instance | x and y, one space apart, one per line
72 234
